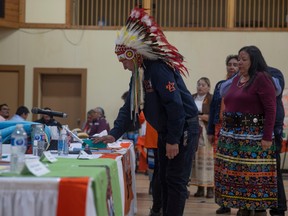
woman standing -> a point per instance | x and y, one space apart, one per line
217 105
203 166
245 165
216 111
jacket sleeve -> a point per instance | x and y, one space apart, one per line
213 110
280 113
267 95
226 85
164 83
278 79
277 86
123 120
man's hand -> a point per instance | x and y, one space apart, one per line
104 139
211 139
172 150
203 117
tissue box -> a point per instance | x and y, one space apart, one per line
94 145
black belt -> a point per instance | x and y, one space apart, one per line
240 120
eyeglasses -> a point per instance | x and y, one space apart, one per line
5 109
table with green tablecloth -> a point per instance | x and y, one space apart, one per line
108 177
96 169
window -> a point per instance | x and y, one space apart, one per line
261 13
185 14
102 12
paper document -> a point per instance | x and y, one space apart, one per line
103 133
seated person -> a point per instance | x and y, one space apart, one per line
21 114
49 120
4 112
91 116
99 123
54 127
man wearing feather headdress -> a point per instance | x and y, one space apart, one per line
157 88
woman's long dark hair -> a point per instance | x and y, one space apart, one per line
258 63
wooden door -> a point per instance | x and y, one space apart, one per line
12 86
64 90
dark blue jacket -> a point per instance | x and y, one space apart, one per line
215 106
280 113
168 103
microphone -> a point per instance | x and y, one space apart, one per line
36 110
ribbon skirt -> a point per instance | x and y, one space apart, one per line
245 175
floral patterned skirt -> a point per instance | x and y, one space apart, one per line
245 175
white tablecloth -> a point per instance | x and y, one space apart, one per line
34 197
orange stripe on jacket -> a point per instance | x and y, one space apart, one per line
151 137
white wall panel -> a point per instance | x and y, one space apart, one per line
45 11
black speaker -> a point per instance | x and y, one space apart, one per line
2 8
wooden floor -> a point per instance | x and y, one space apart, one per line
194 206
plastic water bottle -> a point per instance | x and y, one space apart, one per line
39 137
18 149
35 148
63 148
